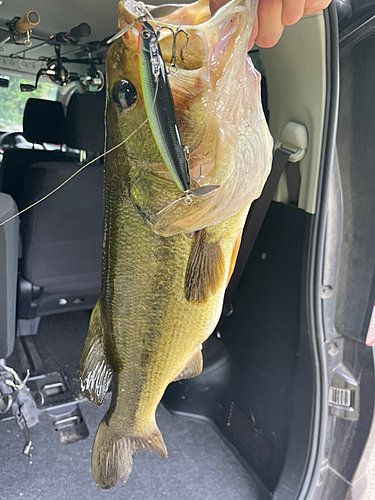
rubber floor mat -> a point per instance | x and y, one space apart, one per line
200 466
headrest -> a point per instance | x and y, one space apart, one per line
84 124
43 121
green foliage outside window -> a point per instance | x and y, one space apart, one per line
13 101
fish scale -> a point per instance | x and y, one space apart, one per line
166 263
159 311
141 310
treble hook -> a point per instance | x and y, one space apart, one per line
179 30
187 159
173 68
174 48
200 176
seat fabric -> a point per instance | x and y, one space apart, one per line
43 122
62 235
8 274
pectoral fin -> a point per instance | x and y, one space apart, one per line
205 269
193 368
94 371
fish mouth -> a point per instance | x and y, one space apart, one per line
160 12
203 28
230 145
192 14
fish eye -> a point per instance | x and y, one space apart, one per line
145 34
124 94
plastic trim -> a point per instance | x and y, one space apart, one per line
316 261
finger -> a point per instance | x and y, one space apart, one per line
314 6
216 4
292 11
270 26
254 34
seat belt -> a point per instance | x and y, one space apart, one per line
293 182
257 214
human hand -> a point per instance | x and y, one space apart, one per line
273 15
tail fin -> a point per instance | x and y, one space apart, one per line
112 455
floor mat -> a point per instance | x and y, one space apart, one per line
56 348
200 466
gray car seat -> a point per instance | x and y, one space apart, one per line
8 274
61 263
43 121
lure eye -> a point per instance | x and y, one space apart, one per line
124 94
145 34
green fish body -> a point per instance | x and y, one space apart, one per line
164 276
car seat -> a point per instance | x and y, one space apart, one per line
60 269
43 121
8 274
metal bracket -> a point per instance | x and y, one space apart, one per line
293 138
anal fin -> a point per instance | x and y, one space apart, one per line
193 368
94 371
205 269
234 256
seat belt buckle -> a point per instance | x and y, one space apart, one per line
293 138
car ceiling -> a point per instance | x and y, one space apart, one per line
57 16
62 15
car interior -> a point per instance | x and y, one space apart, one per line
244 427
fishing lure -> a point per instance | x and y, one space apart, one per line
160 110
158 98
159 106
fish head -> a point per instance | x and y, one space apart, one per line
216 95
125 103
123 76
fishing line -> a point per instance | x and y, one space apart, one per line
86 165
83 167
75 173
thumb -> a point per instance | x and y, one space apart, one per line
215 5
254 34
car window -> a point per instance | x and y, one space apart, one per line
13 101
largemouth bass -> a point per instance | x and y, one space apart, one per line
166 263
